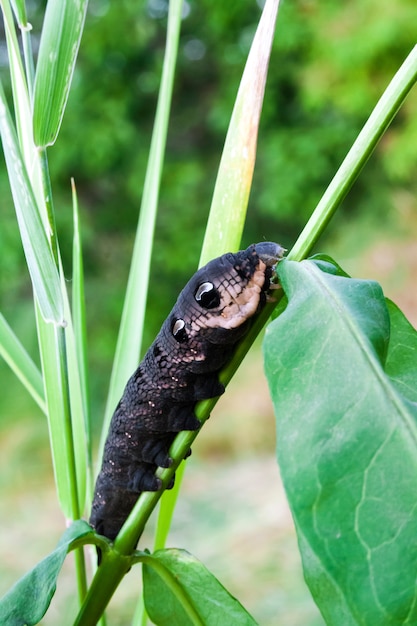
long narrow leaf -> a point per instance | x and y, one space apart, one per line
17 75
79 321
60 430
80 441
19 8
39 258
131 328
231 194
60 40
20 362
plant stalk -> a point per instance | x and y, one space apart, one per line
380 119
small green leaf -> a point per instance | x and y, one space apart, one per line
60 40
180 591
28 600
347 442
39 258
401 362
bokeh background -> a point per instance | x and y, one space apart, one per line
330 62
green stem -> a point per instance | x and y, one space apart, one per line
358 155
112 570
70 454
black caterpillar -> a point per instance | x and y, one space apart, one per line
212 313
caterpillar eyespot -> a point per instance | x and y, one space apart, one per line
179 332
212 313
208 296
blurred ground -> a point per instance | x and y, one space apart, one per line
233 513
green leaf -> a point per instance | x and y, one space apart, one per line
79 313
402 353
347 443
234 179
180 591
19 9
28 600
20 362
60 40
39 258
66 431
79 429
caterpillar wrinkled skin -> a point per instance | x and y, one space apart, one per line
213 312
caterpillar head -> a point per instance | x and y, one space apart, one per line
225 293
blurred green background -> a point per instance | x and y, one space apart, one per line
330 62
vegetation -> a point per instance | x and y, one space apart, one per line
329 65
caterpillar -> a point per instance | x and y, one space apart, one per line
213 312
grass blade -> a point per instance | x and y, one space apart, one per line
20 363
231 193
58 417
60 40
41 265
19 9
79 316
130 333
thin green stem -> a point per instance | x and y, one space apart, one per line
358 155
111 571
70 454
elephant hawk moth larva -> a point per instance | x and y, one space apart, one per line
213 312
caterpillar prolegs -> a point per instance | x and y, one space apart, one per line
213 312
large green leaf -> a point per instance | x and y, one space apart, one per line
60 40
347 442
180 591
28 600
